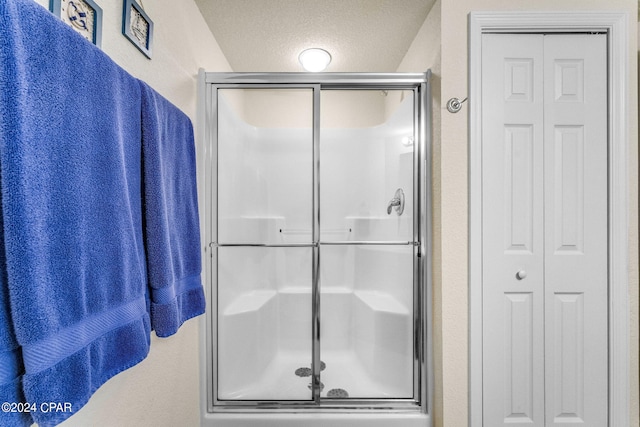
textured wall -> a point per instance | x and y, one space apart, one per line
454 191
441 45
423 54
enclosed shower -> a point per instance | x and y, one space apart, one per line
317 229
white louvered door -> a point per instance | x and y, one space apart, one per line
544 183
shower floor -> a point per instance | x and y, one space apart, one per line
343 372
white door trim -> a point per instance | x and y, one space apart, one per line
615 25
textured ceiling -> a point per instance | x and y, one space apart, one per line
268 35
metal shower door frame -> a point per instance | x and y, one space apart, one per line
419 83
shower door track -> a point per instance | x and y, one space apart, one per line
313 245
422 400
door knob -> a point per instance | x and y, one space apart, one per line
521 274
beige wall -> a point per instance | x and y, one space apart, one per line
163 390
423 54
441 45
454 195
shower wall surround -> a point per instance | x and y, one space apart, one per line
260 203
366 163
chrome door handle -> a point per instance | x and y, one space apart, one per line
521 274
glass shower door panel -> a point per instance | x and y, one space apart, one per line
367 321
366 165
264 323
265 170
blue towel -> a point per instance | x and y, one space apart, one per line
172 231
11 367
74 267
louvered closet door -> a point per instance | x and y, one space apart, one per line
544 230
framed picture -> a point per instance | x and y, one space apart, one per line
84 16
137 27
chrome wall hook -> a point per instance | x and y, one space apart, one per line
454 105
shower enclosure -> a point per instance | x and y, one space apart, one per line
316 210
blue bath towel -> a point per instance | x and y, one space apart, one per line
11 368
172 233
74 264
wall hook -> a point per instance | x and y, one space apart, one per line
454 105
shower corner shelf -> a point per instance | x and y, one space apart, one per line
249 301
381 302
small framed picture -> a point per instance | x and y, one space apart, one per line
137 27
84 16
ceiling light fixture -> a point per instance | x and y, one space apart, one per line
314 59
407 141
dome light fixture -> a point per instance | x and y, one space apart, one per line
314 59
407 141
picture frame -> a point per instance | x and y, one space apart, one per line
84 16
137 27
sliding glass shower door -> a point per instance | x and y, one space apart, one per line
367 243
317 294
264 224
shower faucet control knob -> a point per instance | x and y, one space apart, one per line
397 202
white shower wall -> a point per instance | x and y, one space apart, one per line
264 321
266 178
264 294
